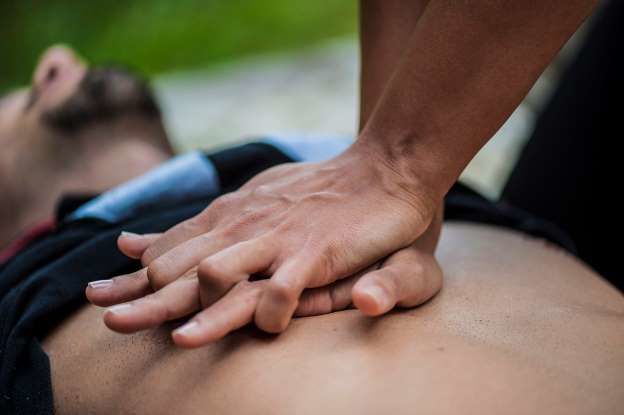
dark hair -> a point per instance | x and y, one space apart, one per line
103 94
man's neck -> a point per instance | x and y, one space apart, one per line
20 212
98 170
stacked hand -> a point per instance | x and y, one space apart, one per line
298 239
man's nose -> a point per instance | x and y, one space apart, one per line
57 62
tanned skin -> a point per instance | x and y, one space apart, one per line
519 327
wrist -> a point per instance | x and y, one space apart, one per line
396 179
413 159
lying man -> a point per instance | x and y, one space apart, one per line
520 326
75 131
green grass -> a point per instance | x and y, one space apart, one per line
153 36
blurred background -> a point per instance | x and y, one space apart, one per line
227 71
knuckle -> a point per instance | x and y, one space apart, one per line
251 216
246 223
149 255
267 244
199 243
203 220
284 290
330 259
262 190
160 312
229 232
221 203
204 239
158 273
320 197
417 268
209 269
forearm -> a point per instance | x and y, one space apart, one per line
385 30
466 68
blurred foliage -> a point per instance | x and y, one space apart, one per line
153 36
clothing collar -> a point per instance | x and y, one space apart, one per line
35 232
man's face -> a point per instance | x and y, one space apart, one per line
56 77
65 99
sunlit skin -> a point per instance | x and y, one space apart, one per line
461 70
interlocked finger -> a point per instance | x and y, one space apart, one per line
219 272
281 296
171 265
231 312
174 301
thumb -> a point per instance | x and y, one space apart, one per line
407 278
333 297
133 245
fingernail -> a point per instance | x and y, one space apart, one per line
187 329
100 284
119 309
130 234
379 295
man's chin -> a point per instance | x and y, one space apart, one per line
103 95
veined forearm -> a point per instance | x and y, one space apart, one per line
468 65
